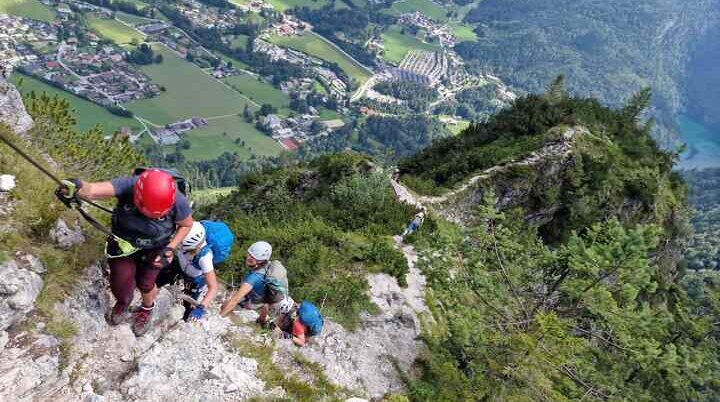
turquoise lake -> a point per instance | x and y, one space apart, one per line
703 145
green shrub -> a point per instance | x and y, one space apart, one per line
329 222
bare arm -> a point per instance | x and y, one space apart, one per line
183 228
212 285
234 299
96 191
299 340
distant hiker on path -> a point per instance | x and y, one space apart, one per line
415 224
149 221
207 244
296 321
265 283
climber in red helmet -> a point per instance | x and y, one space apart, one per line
150 220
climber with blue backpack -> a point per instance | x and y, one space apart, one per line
296 321
207 244
265 283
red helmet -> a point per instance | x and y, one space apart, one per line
154 193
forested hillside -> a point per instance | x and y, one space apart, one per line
606 49
704 249
601 311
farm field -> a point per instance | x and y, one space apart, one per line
456 129
27 8
132 19
282 5
114 30
463 32
87 113
259 91
329 114
397 44
189 92
219 137
211 195
427 7
317 47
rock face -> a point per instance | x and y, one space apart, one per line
365 360
174 361
65 236
12 110
28 367
193 363
18 290
7 182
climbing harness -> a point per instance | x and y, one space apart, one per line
126 248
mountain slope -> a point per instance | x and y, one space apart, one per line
606 49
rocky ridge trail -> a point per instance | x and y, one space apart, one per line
458 205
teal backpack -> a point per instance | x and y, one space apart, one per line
311 317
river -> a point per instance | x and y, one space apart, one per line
703 145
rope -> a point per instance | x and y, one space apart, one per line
59 182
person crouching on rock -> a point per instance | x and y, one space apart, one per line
265 283
296 321
150 220
197 270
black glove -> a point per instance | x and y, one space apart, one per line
67 192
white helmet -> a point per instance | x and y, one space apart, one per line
195 238
284 306
260 251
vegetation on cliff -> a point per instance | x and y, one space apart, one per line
330 222
703 252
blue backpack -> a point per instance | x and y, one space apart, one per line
219 239
311 317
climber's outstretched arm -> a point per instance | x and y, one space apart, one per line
235 298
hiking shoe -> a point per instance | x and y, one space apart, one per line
117 315
142 320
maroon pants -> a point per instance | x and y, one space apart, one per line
128 272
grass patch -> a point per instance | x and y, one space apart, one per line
260 91
209 196
220 136
456 129
88 114
297 389
427 7
240 41
28 8
132 19
63 330
114 30
398 44
329 114
189 92
282 5
319 87
463 32
314 46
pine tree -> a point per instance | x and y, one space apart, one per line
555 92
638 103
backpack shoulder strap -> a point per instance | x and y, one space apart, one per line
203 252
